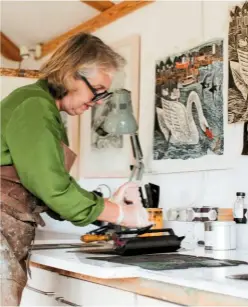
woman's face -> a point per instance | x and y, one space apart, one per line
79 97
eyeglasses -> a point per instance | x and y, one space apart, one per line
97 96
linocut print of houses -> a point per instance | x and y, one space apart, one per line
238 64
189 104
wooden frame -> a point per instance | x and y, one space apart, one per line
99 5
95 162
23 77
8 49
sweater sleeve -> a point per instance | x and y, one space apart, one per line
33 135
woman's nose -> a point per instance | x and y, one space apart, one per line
91 104
99 102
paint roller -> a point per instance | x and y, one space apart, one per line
129 242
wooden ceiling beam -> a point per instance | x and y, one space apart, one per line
8 49
110 15
99 5
25 73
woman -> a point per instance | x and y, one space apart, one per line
35 159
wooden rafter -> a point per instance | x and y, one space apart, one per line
26 73
110 15
8 49
99 5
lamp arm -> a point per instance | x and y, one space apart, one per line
138 168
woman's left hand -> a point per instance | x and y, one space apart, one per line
128 193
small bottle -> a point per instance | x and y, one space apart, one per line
238 211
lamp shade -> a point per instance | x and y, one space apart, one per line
121 120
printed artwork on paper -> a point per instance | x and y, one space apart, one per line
189 104
100 139
238 64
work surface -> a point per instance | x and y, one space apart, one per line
208 279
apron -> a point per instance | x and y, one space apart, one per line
20 215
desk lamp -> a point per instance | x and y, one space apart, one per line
121 121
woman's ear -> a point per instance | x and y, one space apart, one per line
57 91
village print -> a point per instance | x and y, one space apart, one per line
189 104
238 64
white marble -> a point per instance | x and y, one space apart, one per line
77 262
209 279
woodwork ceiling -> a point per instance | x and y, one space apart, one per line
49 23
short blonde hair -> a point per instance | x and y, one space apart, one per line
79 53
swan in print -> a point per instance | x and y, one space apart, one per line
177 122
162 125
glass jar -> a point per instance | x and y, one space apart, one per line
238 210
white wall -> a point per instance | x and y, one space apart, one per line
166 27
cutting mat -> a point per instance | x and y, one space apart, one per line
174 261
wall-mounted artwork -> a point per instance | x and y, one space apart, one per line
99 138
189 104
238 64
103 154
10 83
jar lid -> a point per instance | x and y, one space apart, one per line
240 194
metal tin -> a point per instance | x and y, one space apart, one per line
220 235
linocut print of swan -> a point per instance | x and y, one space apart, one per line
189 117
177 122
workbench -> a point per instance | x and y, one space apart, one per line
65 277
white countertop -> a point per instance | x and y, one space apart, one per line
208 279
77 262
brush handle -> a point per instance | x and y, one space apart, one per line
93 238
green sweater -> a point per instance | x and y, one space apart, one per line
31 135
